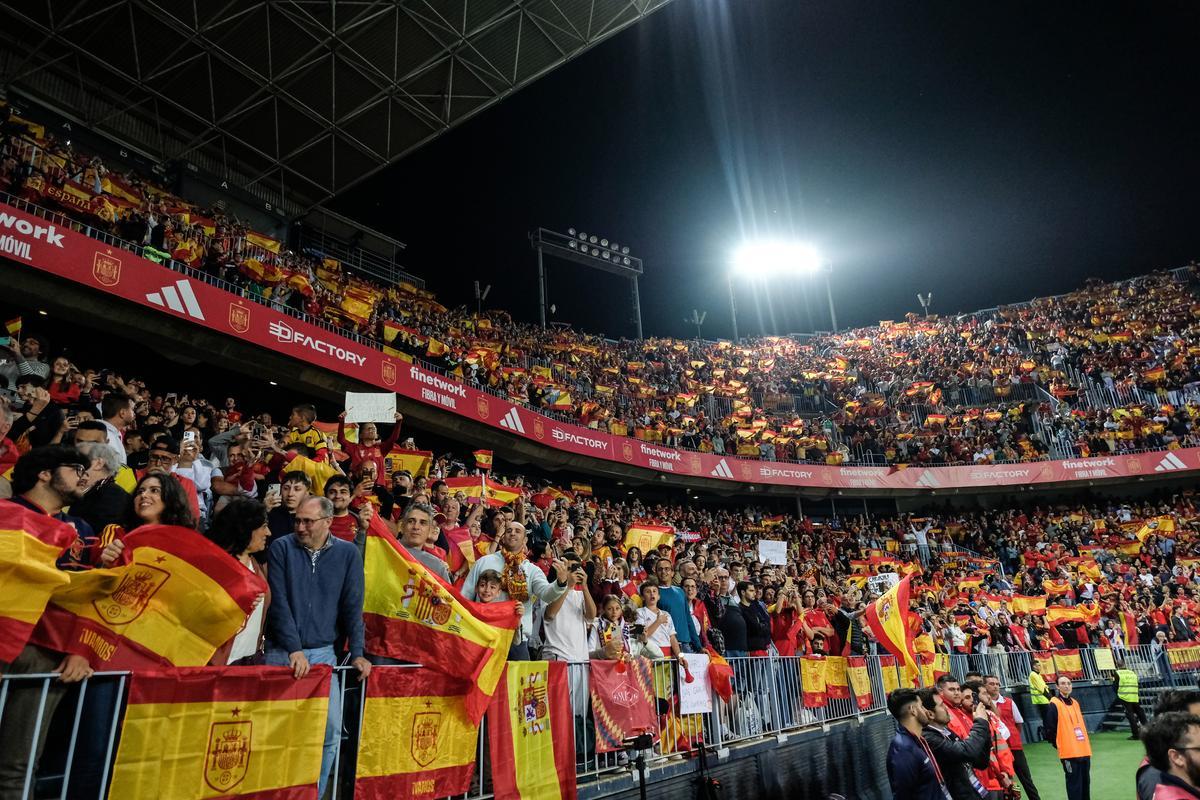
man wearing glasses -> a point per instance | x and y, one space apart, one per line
1172 743
44 481
316 584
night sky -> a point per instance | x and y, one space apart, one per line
986 153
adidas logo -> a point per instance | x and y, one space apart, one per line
928 481
1170 463
179 298
722 470
512 421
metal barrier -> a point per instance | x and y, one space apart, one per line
81 722
1150 662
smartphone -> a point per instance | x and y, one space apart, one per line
275 488
189 436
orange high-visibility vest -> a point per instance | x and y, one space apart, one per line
1072 741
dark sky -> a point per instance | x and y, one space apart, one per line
986 153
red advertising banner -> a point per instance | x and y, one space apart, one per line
32 241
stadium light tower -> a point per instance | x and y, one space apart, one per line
771 258
591 250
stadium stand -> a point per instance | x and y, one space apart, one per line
1017 588
1109 368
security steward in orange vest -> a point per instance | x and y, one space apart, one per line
1067 732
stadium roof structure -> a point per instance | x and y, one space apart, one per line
293 100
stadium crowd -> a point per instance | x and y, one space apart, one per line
1107 368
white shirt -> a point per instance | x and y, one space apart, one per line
115 441
565 636
662 635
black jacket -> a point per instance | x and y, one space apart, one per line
957 757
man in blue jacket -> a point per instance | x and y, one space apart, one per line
316 601
912 770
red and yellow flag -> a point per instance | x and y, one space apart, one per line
837 685
860 681
530 725
417 740
498 494
1183 655
889 677
13 326
470 486
623 701
1067 662
222 732
1043 662
647 537
483 460
584 489
411 614
812 681
176 599
417 462
30 544
887 618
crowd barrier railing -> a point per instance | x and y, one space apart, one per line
1151 664
82 729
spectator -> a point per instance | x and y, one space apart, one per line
316 584
672 600
1170 701
913 772
105 501
240 529
415 526
368 447
1171 741
956 758
658 627
283 503
117 416
44 481
521 580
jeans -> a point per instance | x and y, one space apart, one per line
333 723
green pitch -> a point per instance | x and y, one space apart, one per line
1114 760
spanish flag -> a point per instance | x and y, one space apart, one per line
471 486
584 489
836 683
411 614
860 681
887 618
13 326
222 732
1066 662
530 726
30 544
888 676
648 537
1043 662
498 494
417 740
176 599
417 462
1027 604
812 681
483 460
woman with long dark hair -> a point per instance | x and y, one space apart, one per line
157 499
240 529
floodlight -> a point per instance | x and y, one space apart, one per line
582 236
573 244
593 238
595 252
624 251
570 231
605 254
625 261
775 257
604 242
